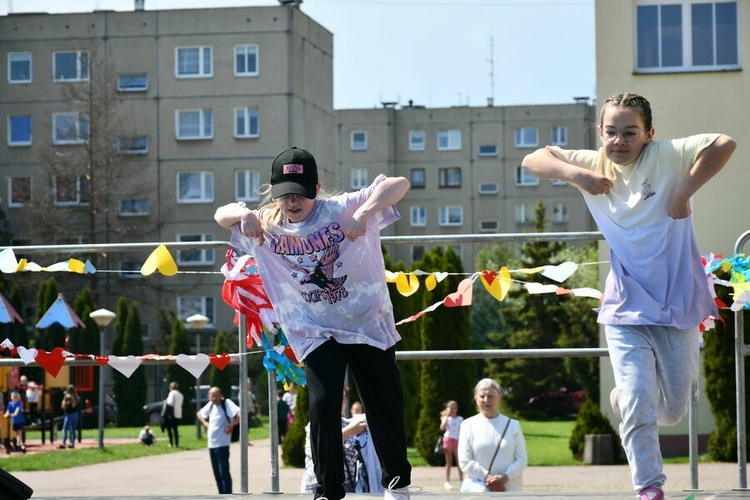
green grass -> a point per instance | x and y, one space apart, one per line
77 457
546 443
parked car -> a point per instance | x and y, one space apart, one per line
560 403
153 410
90 414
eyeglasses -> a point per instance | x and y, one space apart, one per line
629 134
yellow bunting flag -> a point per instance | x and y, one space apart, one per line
407 284
497 283
161 260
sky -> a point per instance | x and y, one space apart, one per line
436 53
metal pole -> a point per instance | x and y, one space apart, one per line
101 390
273 423
693 435
739 366
242 384
197 387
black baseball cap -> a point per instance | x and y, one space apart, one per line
294 171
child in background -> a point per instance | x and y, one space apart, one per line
146 436
14 411
639 192
450 424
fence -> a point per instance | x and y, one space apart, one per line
741 349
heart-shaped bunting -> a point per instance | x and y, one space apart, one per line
194 364
51 361
462 296
27 355
125 364
220 361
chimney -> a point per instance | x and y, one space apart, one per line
139 4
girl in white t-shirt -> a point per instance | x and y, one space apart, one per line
639 192
450 424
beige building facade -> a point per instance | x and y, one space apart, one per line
687 57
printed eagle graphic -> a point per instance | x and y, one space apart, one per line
322 274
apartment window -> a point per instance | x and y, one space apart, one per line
133 145
19 191
488 150
195 187
560 213
451 216
195 124
19 67
246 60
132 83
417 178
72 66
70 128
449 140
187 306
524 214
193 62
130 269
417 252
449 177
359 140
19 130
418 216
133 207
559 136
488 226
71 190
526 137
247 183
246 124
684 35
195 257
359 178
489 188
524 178
416 140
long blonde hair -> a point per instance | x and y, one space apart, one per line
269 212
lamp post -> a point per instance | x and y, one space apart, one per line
197 323
103 318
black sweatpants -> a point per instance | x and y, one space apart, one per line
379 385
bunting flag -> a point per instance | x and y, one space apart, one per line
160 260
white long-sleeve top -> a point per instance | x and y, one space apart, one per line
477 442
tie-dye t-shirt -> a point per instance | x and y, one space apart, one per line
323 286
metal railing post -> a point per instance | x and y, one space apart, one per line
739 364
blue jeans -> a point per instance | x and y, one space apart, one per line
70 424
220 464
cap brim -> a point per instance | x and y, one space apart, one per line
282 188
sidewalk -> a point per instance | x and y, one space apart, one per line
188 475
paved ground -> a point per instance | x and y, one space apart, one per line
188 475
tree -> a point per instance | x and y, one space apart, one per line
411 340
221 378
445 328
131 392
179 344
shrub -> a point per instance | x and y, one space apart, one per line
591 420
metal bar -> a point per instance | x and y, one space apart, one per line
740 351
244 482
273 423
693 434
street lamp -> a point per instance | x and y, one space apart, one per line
102 317
197 323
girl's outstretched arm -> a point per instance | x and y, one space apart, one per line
232 213
709 163
387 193
542 163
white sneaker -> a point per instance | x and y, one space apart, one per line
448 486
614 402
396 494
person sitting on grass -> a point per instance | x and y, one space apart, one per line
147 436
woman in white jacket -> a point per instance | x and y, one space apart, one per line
478 443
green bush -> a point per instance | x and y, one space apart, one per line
293 447
591 420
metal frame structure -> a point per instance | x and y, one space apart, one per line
741 348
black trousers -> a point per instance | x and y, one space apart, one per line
379 385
